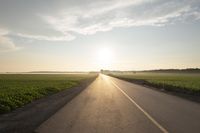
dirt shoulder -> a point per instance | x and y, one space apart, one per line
29 117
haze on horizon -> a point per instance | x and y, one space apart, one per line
89 35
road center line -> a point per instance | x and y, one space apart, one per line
141 109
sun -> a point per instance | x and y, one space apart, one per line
104 58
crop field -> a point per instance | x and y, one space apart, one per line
188 82
17 90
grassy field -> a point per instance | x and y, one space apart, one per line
17 90
185 82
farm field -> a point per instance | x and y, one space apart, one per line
17 90
188 82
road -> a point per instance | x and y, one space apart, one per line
110 105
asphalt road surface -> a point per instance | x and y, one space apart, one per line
110 105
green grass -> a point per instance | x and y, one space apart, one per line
186 81
16 90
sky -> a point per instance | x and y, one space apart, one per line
89 35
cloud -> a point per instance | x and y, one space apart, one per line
104 16
5 43
3 32
62 20
66 37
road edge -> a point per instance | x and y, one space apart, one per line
29 117
175 92
141 109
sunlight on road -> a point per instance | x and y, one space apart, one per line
105 78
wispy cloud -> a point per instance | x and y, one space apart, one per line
66 19
65 37
6 44
104 16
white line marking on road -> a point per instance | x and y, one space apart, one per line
140 108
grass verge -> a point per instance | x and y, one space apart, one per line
187 83
16 90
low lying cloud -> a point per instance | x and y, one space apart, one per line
63 20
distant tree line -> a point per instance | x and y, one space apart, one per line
187 70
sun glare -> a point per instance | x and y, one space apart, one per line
105 57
